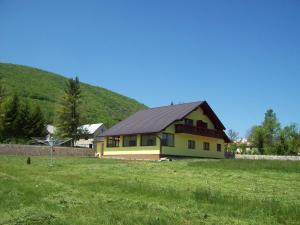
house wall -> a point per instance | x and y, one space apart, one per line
181 145
125 151
199 115
181 140
84 143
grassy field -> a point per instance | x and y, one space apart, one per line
93 191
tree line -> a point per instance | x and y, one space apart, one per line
270 138
21 121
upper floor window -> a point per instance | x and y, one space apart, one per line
206 146
113 141
188 122
191 144
168 140
201 124
129 141
148 140
219 147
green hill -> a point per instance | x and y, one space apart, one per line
46 89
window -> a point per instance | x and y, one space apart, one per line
191 144
168 140
129 141
148 140
113 141
219 147
201 124
206 146
188 122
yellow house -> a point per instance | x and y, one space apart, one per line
189 129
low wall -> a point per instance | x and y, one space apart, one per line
34 150
267 157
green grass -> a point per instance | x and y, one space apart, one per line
46 89
94 191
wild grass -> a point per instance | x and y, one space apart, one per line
94 191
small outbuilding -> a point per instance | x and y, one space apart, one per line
89 133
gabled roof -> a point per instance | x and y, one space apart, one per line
91 128
155 120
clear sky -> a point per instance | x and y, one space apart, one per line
243 57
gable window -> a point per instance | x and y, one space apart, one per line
188 122
168 140
113 141
206 146
191 144
129 141
219 147
201 124
148 140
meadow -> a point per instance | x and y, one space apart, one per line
104 191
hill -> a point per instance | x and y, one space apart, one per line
46 89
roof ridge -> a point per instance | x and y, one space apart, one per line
165 106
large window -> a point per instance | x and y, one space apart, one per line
219 147
168 140
206 146
188 122
191 144
148 140
129 141
113 141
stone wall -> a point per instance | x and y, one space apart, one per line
267 157
34 150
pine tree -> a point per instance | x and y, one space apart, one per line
2 92
37 123
9 118
23 121
68 115
2 95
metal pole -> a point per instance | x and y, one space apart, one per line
51 160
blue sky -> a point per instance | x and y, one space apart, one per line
243 57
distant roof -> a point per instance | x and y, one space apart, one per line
155 120
91 128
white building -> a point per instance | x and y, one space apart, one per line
90 132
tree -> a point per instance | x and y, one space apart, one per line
68 115
233 135
37 123
9 118
288 142
270 138
2 91
257 138
271 128
23 121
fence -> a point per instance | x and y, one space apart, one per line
267 157
34 150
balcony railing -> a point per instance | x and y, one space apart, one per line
181 128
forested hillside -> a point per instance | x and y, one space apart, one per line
46 89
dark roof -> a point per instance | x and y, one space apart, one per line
155 120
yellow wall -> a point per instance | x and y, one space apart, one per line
181 140
181 147
129 150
